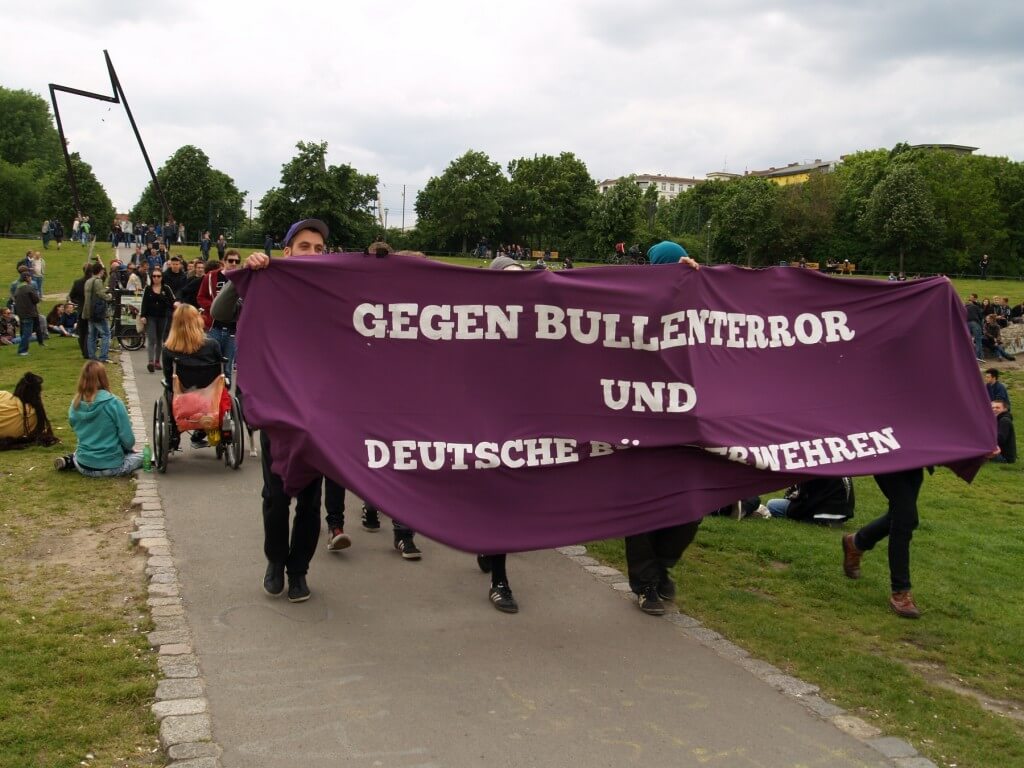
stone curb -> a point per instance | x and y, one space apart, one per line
899 752
180 706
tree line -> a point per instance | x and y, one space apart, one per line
919 210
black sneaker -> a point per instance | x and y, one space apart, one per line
501 596
649 601
63 463
371 520
407 548
298 590
338 540
273 581
202 442
667 588
483 562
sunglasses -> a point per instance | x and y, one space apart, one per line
234 261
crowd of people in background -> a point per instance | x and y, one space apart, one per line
986 319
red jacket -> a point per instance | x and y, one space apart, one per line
208 290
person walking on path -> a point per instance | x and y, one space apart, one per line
106 443
26 301
286 554
158 304
650 555
901 489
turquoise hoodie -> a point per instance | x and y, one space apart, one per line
103 430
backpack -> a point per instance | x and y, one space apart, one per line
99 306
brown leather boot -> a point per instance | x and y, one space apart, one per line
851 557
902 604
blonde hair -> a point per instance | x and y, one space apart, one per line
187 332
91 380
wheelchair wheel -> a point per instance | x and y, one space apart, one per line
161 436
130 339
234 449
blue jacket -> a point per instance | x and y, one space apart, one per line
997 391
103 430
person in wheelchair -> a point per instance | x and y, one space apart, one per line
194 357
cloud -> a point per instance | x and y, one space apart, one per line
400 90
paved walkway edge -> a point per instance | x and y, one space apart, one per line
181 706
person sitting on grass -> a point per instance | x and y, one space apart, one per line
992 340
55 321
831 496
996 388
106 443
69 319
8 327
23 419
1006 437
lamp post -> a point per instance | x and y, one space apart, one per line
708 252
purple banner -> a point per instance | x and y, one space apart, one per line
505 411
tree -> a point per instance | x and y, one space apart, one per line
56 202
690 211
806 215
463 203
617 217
745 219
857 176
27 134
18 197
1010 187
199 196
549 198
338 195
900 212
967 205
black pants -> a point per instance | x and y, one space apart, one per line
305 530
83 336
650 555
334 503
898 523
401 530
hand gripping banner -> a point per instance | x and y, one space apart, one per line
506 411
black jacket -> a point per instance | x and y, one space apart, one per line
825 495
157 304
1006 437
196 370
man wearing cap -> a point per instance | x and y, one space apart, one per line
286 555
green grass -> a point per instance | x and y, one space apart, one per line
76 674
776 588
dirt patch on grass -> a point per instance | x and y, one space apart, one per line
939 677
84 556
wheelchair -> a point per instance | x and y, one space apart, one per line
227 438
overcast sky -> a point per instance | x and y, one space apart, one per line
400 89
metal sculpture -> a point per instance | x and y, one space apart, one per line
117 98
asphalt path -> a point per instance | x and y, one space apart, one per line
402 664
